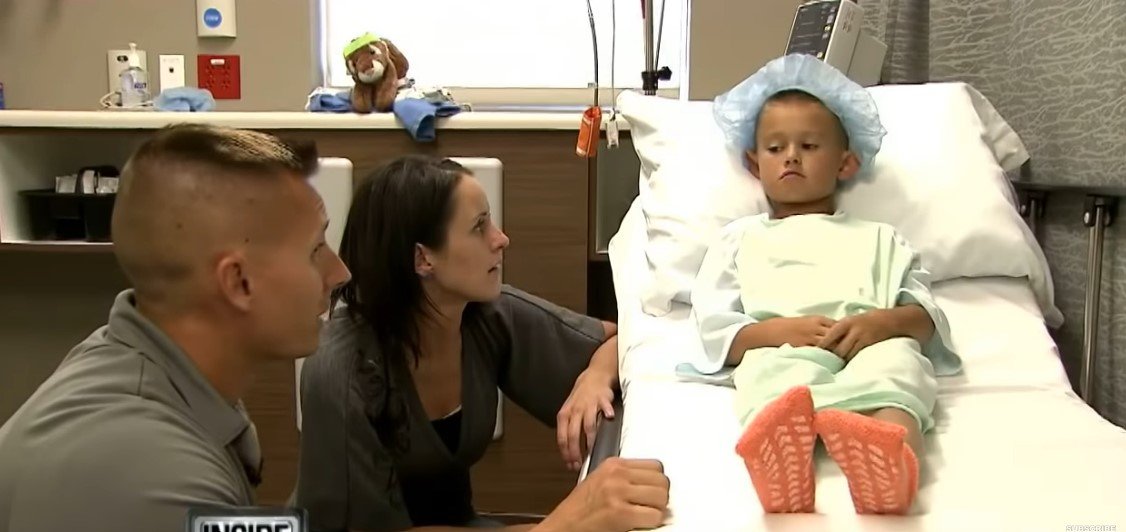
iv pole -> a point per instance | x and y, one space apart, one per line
648 82
652 74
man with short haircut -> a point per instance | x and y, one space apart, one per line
223 241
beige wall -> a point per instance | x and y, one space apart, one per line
276 44
730 39
39 39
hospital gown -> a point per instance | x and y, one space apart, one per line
829 265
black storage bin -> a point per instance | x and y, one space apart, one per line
69 216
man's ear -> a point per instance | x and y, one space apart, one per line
850 165
423 266
752 163
234 280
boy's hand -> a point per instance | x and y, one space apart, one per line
800 332
854 333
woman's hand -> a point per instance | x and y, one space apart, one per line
620 495
577 422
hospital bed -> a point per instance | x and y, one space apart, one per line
1013 448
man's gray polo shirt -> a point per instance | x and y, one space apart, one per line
127 434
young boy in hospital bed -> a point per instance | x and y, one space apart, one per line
828 318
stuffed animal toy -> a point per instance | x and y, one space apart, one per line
378 68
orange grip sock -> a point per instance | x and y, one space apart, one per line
881 469
777 448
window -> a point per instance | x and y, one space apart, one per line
509 51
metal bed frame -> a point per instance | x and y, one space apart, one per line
607 443
1100 208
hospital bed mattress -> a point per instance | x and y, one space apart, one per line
1013 448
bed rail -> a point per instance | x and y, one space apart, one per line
1100 209
607 443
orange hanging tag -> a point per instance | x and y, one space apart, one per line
589 131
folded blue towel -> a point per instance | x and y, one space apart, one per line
184 99
417 116
685 372
325 100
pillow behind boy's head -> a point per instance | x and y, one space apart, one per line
692 183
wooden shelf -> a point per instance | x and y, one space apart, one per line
560 119
57 247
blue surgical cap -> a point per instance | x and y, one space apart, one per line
737 110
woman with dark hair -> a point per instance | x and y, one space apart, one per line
400 400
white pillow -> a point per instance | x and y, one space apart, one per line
938 179
659 125
686 202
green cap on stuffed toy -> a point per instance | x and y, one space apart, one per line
359 42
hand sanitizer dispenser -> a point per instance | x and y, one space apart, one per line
128 79
215 18
134 80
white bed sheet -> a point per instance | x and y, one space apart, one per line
1013 448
